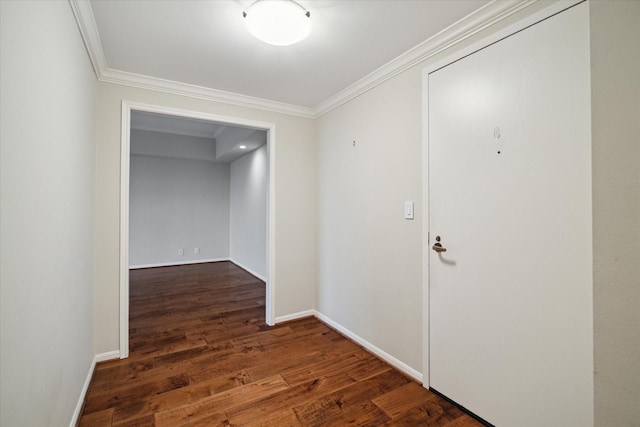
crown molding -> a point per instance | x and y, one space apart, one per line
475 22
193 91
89 31
457 32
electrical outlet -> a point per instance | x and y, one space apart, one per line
196 250
180 251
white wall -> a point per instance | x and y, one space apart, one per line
176 203
47 110
295 256
232 137
615 91
248 229
369 256
370 267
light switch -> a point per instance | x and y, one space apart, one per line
408 209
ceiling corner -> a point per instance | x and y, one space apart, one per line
89 31
450 36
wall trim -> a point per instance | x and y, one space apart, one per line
125 171
296 316
108 355
89 31
248 270
75 418
169 86
174 263
482 18
396 363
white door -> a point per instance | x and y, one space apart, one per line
510 197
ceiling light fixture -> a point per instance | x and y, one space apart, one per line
278 22
243 147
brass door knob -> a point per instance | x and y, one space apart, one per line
438 246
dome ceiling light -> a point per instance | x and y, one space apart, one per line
278 22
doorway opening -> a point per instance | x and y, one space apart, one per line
219 124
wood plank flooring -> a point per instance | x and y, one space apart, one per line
201 355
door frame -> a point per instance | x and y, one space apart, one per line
527 21
125 152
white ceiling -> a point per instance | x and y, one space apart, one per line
205 44
164 123
200 48
230 142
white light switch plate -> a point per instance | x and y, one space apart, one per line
408 209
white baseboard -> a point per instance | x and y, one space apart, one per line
75 419
401 366
85 387
109 355
239 264
173 263
296 316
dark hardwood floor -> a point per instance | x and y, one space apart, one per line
201 355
